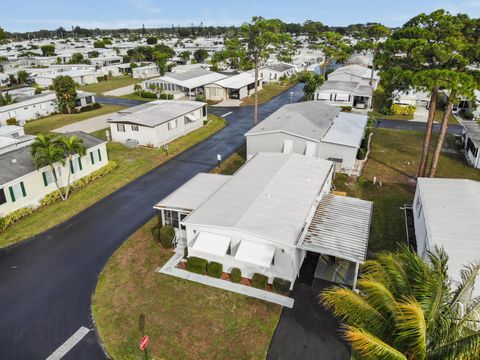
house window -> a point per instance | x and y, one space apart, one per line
88 100
172 124
12 114
43 106
17 191
3 198
171 218
47 177
134 127
182 216
76 165
78 102
120 128
95 156
204 111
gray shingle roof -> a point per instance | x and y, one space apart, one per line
310 119
17 163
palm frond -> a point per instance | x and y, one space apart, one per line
464 289
371 347
354 309
464 348
412 328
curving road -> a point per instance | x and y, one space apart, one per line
47 281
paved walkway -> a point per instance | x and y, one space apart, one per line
229 103
120 91
90 125
170 269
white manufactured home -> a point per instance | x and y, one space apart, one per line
81 77
274 73
28 108
237 87
471 140
158 122
345 94
355 73
268 215
21 185
313 129
447 214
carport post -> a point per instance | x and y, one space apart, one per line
355 276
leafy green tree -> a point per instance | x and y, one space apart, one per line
152 40
3 36
72 146
427 42
77 58
313 30
312 82
185 55
48 50
99 44
334 47
93 54
5 99
370 39
64 88
200 55
406 308
234 53
47 151
107 41
286 52
22 77
262 37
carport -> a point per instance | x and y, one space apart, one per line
339 232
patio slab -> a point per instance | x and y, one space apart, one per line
170 269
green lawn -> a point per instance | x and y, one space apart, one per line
269 91
134 96
132 163
233 162
183 319
111 84
49 123
394 161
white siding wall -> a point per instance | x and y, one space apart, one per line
420 225
34 185
159 135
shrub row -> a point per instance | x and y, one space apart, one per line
12 121
403 109
215 269
164 235
13 217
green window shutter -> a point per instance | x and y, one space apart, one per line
44 175
22 186
80 163
91 158
12 195
72 170
99 155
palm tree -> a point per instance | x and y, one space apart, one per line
72 145
406 308
47 151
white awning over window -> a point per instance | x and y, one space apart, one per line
211 244
342 97
255 253
287 146
191 117
323 96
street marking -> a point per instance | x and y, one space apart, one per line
230 112
69 344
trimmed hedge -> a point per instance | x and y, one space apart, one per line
236 275
215 269
408 110
166 96
281 285
156 233
197 265
13 217
259 281
167 234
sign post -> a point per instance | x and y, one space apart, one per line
165 147
143 345
219 159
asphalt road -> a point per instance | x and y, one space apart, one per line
118 101
46 282
414 125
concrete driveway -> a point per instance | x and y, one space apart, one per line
120 91
46 282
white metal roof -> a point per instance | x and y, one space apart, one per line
213 244
451 209
340 227
270 196
156 112
255 253
347 129
236 81
194 192
191 79
354 70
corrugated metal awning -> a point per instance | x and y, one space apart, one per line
340 227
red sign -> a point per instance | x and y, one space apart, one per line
144 342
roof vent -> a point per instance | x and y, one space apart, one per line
14 161
267 195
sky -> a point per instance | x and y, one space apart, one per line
27 15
